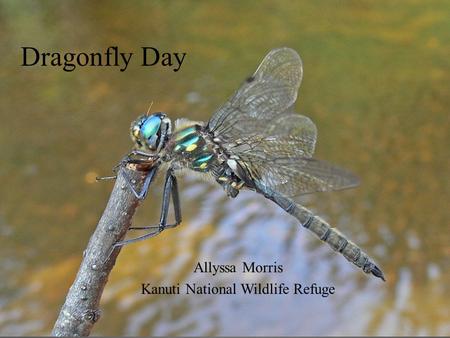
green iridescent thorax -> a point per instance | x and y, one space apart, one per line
189 145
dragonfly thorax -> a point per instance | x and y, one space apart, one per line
151 132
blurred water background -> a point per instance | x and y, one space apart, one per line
376 83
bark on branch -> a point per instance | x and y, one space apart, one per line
81 307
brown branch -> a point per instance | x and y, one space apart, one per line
81 307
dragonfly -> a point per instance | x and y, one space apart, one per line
254 141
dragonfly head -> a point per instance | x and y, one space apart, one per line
151 132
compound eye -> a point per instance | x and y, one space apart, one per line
151 126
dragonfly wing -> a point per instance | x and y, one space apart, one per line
270 91
273 145
281 159
288 135
295 176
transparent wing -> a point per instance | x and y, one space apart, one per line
295 176
269 92
272 144
280 157
288 135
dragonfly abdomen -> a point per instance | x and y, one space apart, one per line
333 237
338 242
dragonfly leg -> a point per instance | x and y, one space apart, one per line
116 168
104 178
148 180
170 189
140 153
127 159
